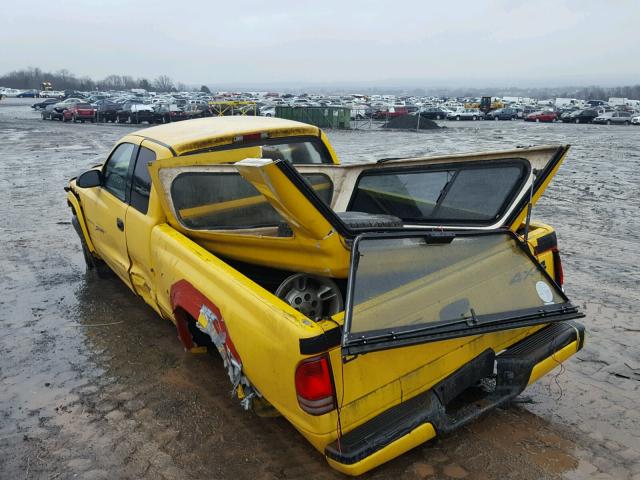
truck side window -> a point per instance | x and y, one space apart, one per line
116 170
141 183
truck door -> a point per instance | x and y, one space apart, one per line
105 210
140 220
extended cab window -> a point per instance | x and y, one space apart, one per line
441 195
116 170
141 183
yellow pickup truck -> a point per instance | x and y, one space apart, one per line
373 305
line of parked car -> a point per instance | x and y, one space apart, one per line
132 109
589 115
129 111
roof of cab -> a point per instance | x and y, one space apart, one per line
202 133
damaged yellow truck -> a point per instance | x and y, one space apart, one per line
373 305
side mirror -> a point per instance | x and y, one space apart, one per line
92 178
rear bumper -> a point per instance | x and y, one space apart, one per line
443 409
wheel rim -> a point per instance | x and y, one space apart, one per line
315 297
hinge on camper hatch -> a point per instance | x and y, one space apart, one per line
529 207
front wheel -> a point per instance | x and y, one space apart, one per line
473 118
458 117
627 122
92 263
577 120
537 120
608 122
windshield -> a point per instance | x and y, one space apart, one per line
414 286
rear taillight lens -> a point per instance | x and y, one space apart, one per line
558 272
314 385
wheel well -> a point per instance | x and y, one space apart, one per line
188 333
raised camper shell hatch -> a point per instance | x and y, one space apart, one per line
410 288
426 193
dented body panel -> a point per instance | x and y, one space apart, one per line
191 277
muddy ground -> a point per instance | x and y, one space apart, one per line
93 385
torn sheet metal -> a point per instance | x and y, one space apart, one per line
209 323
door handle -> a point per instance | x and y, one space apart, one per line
120 224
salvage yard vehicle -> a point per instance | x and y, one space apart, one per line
613 118
373 305
502 114
79 112
135 112
107 110
580 116
50 112
541 116
167 113
465 114
43 104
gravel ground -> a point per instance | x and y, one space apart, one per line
94 385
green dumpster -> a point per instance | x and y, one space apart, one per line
323 117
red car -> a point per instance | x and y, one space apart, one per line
391 112
79 111
541 117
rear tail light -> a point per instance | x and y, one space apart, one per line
314 385
558 271
548 243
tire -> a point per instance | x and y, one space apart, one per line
627 123
92 263
458 117
496 118
577 120
74 119
268 115
474 118
537 120
608 122
117 119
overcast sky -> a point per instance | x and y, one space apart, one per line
422 43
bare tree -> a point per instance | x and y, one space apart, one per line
163 83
